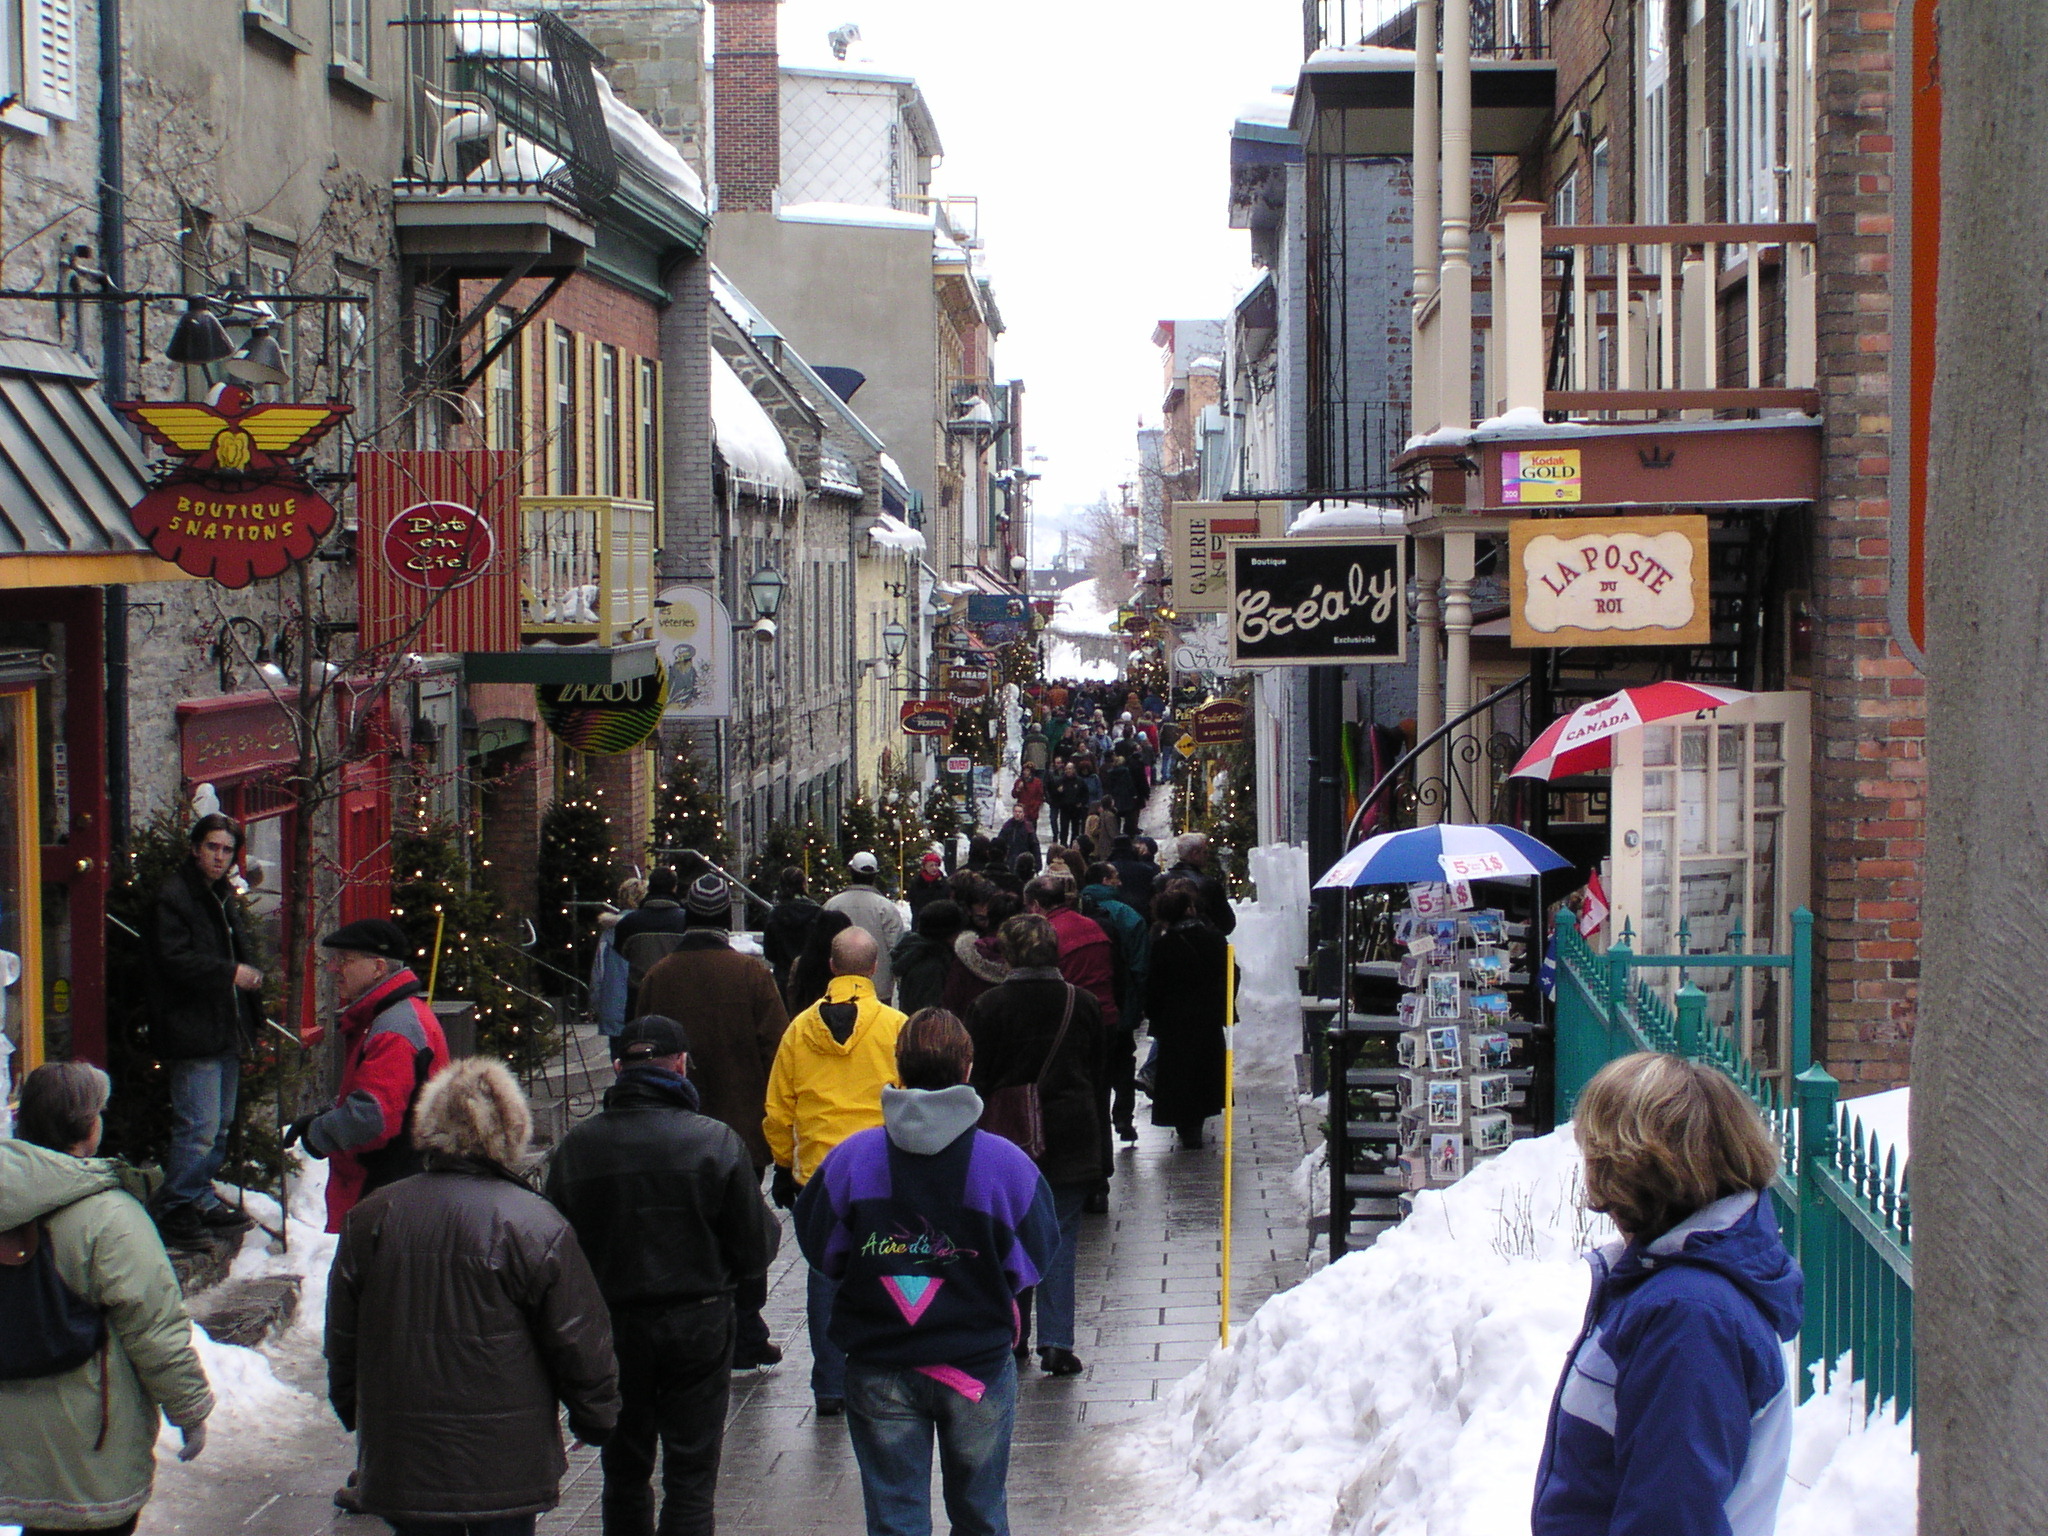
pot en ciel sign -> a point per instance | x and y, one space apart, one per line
1609 581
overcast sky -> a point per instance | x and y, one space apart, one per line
1097 135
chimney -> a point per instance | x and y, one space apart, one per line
746 106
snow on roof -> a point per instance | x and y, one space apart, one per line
893 533
1272 111
837 470
1348 517
860 215
1081 611
891 467
1526 421
1360 53
747 436
739 308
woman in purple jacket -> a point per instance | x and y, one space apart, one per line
1674 1415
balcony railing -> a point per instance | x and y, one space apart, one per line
587 567
1645 320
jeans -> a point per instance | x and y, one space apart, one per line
891 1415
1055 1294
504 1525
202 1114
828 1362
674 1379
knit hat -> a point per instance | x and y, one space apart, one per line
710 895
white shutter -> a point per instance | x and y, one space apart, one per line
50 78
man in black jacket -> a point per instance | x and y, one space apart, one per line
205 1010
1194 867
668 1209
648 934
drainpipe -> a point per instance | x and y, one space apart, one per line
114 382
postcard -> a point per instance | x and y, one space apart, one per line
1446 1103
1490 1090
1446 995
1446 1047
1490 1004
1446 1159
1492 1133
1487 967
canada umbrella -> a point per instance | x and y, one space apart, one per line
1583 740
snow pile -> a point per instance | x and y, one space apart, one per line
1349 517
1886 1115
1065 661
747 436
855 214
1081 611
1403 1391
893 533
1274 111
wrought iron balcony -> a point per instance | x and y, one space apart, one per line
508 160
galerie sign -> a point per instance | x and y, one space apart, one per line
1609 581
1200 529
1317 602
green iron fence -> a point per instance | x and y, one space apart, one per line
1841 1198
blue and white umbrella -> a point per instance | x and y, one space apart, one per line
1442 852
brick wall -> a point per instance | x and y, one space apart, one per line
746 106
1869 704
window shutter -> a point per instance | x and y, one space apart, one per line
51 78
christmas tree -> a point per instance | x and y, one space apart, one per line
577 871
904 833
806 846
941 814
1019 662
689 813
434 894
860 829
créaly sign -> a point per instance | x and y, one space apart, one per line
1200 531
1609 581
1317 602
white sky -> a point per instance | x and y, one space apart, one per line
1096 134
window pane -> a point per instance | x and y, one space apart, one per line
1657 746
1769 743
1656 791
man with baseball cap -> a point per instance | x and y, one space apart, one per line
736 1022
867 907
391 1045
667 1205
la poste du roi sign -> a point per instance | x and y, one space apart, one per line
1608 581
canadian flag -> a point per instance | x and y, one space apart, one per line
1593 910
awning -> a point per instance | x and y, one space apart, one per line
69 472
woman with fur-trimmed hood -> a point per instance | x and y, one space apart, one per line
460 1312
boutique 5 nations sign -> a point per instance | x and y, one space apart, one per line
1317 602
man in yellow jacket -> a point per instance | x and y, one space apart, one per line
835 1059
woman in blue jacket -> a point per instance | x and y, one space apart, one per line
1674 1415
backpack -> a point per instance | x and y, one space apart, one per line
46 1328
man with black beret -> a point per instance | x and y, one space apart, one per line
391 1045
667 1207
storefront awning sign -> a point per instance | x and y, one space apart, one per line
231 504
1609 581
1221 723
605 719
926 717
1317 602
438 545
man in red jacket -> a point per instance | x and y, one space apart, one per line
391 1045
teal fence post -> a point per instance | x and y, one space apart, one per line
1814 1243
1618 958
1802 991
1692 1022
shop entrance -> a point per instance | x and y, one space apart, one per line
1709 853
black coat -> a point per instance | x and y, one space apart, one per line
1014 838
1184 1003
784 932
1013 1026
461 1317
665 1201
919 964
1209 892
195 942
1138 878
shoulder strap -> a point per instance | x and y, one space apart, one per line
1059 1039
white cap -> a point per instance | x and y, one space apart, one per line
865 862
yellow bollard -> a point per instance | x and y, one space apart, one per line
1229 1116
434 968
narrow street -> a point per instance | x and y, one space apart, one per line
1148 1286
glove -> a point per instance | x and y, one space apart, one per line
783 1188
296 1132
195 1441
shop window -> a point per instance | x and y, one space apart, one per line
502 425
271 263
562 411
1751 185
607 421
647 473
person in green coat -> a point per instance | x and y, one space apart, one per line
77 1450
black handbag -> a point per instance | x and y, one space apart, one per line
1014 1113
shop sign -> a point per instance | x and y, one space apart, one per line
1199 533
226 738
1609 581
693 639
1317 602
438 545
999 619
1540 477
230 504
1221 723
959 764
605 719
926 717
968 679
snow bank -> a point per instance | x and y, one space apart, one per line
893 533
862 215
1887 1115
1081 611
1065 661
1403 1391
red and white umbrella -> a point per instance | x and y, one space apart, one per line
1584 739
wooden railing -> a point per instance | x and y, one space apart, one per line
587 567
1622 320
